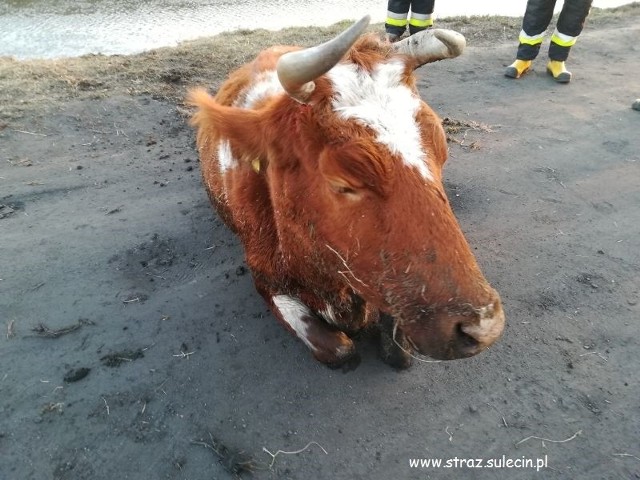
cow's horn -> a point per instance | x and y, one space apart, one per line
297 70
431 45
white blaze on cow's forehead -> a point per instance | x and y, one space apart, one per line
380 100
226 159
266 84
293 312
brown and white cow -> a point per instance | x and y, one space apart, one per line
328 166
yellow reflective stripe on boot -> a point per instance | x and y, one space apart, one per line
530 39
562 39
396 19
421 20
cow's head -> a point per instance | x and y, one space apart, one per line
354 163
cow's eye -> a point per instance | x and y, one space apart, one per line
345 190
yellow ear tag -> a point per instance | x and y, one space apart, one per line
255 163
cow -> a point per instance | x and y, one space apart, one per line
327 165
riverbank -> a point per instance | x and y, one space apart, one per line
167 72
134 345
44 29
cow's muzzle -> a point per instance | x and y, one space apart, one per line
455 331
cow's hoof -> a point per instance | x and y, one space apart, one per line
346 365
395 350
344 357
398 360
395 354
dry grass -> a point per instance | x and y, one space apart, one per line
35 86
26 86
234 461
43 330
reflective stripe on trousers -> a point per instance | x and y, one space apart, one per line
398 15
536 20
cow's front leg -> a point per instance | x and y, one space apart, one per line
328 345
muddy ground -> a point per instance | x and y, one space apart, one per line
134 345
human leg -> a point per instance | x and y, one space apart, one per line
421 16
396 22
569 26
536 20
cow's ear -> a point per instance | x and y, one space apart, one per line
434 138
238 125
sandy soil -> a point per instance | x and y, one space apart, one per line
135 347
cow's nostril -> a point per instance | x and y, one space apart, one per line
465 341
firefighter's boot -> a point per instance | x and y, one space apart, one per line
558 71
518 68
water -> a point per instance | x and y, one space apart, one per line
63 28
